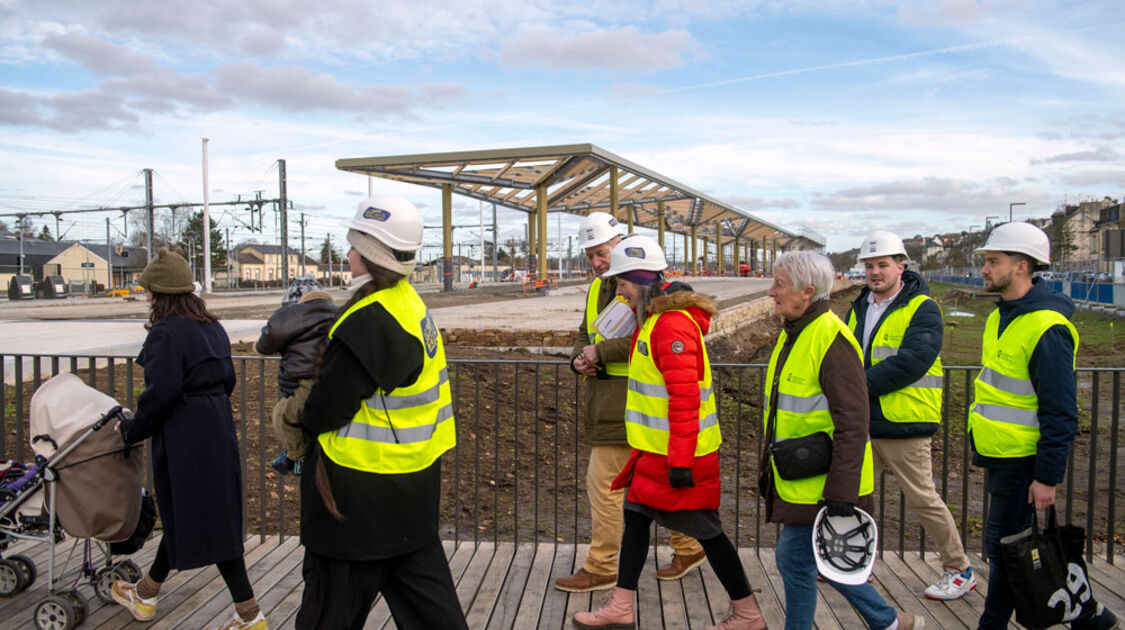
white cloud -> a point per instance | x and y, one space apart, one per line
626 48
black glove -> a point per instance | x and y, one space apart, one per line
839 508
680 478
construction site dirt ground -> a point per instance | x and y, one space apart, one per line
520 462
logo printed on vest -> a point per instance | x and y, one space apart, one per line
642 347
634 252
430 335
793 378
678 346
376 214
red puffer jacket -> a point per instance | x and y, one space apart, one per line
646 474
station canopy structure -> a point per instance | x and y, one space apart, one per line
579 179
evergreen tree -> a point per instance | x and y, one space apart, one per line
328 253
45 234
191 241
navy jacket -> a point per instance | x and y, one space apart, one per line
920 347
196 465
1052 375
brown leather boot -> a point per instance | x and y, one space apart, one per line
744 614
680 566
615 614
583 582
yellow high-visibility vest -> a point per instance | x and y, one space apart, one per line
407 429
921 400
646 406
619 369
1004 418
802 408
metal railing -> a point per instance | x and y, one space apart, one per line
518 471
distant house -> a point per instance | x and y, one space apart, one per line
262 263
74 261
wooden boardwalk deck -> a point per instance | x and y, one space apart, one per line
502 586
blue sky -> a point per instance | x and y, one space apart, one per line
841 116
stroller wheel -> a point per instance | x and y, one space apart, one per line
28 568
103 582
131 571
55 613
78 602
12 579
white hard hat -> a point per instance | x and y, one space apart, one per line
636 252
597 228
881 243
844 546
391 219
1019 237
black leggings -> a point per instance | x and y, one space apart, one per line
720 553
233 572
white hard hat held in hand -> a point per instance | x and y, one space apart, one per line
597 228
391 219
1021 238
636 253
881 243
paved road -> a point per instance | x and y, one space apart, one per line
111 326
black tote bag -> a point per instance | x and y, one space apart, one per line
1047 572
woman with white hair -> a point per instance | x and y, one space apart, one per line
816 385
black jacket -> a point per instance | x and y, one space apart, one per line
385 515
296 331
196 466
920 346
1052 375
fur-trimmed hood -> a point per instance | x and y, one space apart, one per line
680 297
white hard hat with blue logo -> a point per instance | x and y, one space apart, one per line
636 252
391 219
597 228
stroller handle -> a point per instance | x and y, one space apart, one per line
104 420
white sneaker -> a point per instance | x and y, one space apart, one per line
953 585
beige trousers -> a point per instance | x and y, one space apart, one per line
606 516
910 462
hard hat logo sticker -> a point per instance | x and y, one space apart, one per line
376 214
613 222
634 252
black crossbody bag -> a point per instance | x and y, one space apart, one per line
803 457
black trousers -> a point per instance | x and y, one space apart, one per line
233 572
418 587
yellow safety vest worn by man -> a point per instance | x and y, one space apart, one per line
900 360
1004 420
797 406
406 429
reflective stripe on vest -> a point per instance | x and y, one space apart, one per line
802 408
407 429
646 406
1004 418
919 401
613 369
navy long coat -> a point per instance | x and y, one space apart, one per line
185 409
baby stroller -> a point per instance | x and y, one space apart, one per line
91 485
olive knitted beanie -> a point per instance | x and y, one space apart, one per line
167 273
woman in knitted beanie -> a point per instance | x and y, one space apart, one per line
185 409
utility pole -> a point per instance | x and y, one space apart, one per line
495 246
480 208
302 243
148 212
108 257
229 283
283 206
206 227
329 259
